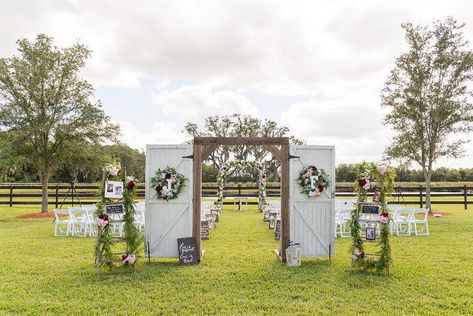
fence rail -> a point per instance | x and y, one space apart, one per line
58 194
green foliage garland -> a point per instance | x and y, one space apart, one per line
160 183
382 177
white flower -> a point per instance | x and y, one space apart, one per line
382 169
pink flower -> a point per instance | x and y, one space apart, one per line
102 222
130 258
367 184
382 169
358 253
383 218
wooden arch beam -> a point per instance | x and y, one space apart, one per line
210 148
275 151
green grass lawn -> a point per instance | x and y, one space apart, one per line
42 274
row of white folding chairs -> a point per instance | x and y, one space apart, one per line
77 221
81 221
407 221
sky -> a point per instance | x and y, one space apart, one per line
317 67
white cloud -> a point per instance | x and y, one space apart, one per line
354 127
196 102
340 51
161 133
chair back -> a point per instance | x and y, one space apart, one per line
59 212
420 211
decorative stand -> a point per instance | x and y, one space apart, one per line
120 191
374 216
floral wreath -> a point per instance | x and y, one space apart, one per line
168 183
305 181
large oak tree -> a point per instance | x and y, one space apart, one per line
45 105
429 95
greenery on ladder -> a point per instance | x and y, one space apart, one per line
131 235
371 175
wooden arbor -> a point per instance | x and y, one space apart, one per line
204 146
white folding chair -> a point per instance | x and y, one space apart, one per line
423 222
402 223
139 215
60 222
91 226
79 219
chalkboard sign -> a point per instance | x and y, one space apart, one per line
114 208
370 209
204 230
277 230
187 251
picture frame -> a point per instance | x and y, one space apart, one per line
370 233
370 208
114 189
377 195
114 208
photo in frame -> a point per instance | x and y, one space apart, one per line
114 189
370 233
114 208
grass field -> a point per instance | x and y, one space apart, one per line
42 274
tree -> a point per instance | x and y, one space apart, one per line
237 125
45 105
429 95
9 162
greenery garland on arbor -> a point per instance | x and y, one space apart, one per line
132 236
381 177
222 174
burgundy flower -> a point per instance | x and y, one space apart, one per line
124 256
362 182
321 188
384 214
159 188
313 168
361 254
167 176
103 217
130 185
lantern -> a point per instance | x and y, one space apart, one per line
273 216
293 255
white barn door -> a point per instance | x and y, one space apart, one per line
167 221
312 220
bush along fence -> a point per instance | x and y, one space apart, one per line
59 194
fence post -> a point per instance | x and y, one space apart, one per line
11 195
239 189
465 200
57 195
421 202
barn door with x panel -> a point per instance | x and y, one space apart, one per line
166 221
312 220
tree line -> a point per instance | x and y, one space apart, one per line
84 168
347 173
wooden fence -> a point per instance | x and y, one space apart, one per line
58 194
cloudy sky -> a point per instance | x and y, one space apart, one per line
317 67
